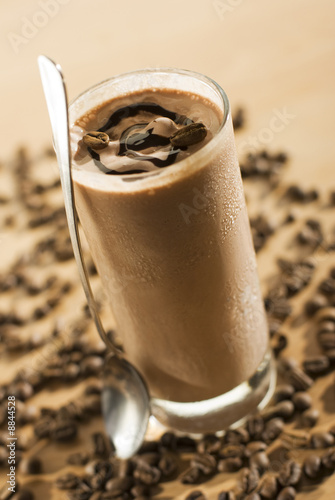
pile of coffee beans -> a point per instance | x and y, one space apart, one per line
289 426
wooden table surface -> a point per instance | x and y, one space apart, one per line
277 59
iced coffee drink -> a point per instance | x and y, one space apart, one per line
159 194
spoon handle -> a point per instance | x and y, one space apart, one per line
57 103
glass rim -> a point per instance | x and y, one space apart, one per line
177 71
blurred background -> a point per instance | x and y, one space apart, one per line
274 58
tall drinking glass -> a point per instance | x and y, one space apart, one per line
174 252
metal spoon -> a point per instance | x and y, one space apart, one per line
125 398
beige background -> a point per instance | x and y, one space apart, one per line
266 54
275 57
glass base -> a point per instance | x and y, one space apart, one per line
227 410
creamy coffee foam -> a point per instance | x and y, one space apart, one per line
139 127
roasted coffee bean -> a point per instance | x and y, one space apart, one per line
237 436
253 496
269 487
79 458
315 304
327 340
322 440
96 482
283 409
167 464
313 224
82 493
287 493
205 462
32 465
196 495
295 438
41 312
238 123
260 461
299 379
21 390
91 365
149 447
254 447
209 444
273 429
302 401
140 490
151 458
70 372
232 451
328 459
52 373
64 430
312 466
249 479
255 426
103 467
312 195
326 326
274 325
119 485
294 284
96 496
286 365
75 357
189 135
226 495
289 474
330 353
23 495
232 464
169 441
101 445
68 482
48 412
282 392
295 193
327 286
148 475
310 417
92 404
316 365
190 475
44 428
26 414
72 411
109 495
186 444
13 342
278 343
309 236
92 389
280 308
332 430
